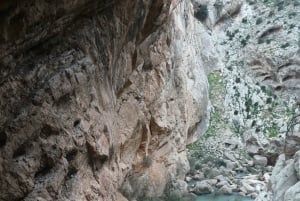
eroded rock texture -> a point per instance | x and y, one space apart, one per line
96 94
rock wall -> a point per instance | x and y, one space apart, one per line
98 97
260 43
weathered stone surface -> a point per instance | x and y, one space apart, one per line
226 190
284 180
96 94
293 193
260 160
202 187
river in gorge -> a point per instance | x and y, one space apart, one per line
211 197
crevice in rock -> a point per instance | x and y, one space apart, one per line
71 155
287 78
64 99
48 130
279 68
76 122
21 150
279 88
72 171
270 30
44 169
3 138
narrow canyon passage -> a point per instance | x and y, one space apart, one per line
145 100
250 146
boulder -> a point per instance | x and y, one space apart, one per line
253 195
179 187
230 156
220 178
188 179
264 196
260 160
250 163
283 180
222 183
198 176
202 187
233 142
226 190
247 187
230 164
212 181
293 193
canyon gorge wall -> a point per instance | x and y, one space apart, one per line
99 98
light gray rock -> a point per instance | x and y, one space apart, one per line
247 187
212 181
293 193
260 160
253 195
264 196
279 165
226 190
233 142
282 181
198 176
230 165
220 178
250 163
222 183
202 187
230 156
179 187
188 179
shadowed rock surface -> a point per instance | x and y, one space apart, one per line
95 94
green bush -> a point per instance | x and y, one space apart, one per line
280 5
285 45
259 20
244 20
202 13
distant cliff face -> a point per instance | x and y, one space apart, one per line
98 96
262 79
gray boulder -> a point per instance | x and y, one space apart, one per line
293 193
260 160
202 187
285 179
226 190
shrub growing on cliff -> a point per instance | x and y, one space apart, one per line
202 13
259 20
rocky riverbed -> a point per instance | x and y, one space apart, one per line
230 172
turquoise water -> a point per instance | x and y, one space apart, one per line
223 198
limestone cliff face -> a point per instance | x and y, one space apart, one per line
98 96
260 43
